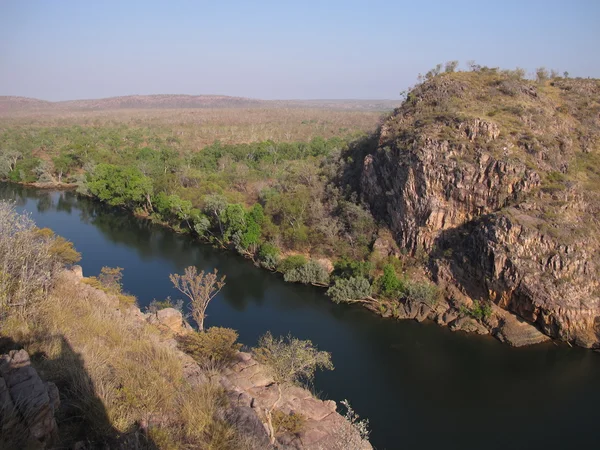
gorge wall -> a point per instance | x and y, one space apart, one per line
497 180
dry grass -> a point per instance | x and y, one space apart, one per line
196 128
114 376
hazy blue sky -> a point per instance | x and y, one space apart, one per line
57 50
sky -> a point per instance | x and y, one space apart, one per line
338 49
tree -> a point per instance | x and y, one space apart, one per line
233 219
60 248
450 66
8 162
62 165
214 206
250 238
541 74
200 288
120 186
290 361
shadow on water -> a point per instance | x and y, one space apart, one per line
81 416
420 385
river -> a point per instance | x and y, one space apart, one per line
420 385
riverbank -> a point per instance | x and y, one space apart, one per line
453 309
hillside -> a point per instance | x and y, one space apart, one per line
81 366
496 179
15 105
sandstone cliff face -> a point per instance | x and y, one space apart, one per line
496 180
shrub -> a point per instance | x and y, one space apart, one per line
348 268
349 289
479 310
217 345
541 74
450 66
110 278
291 262
291 423
422 292
310 273
268 256
157 305
61 249
27 266
389 285
127 300
289 359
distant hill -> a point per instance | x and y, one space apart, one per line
10 104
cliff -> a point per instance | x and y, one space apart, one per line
496 179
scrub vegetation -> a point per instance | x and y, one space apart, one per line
114 378
291 201
121 386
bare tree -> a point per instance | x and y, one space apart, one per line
200 288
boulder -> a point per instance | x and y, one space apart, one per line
517 332
247 423
468 325
27 404
170 318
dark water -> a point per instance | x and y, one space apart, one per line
420 385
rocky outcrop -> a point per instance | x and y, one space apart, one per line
500 203
27 404
252 391
250 386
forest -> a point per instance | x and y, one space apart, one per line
290 207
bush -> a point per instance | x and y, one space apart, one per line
291 423
110 278
479 310
27 266
157 305
60 248
349 290
289 359
310 273
268 256
217 345
422 292
348 268
389 285
541 74
291 262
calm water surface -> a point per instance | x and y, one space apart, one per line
421 386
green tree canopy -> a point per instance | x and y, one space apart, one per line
120 186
